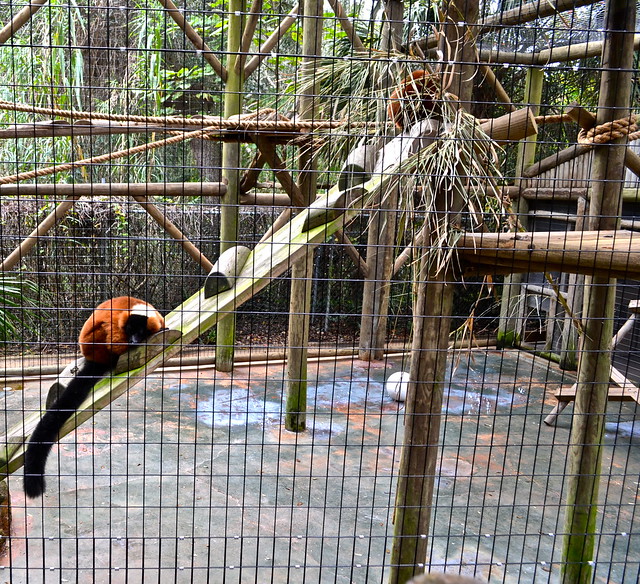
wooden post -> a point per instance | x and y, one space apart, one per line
377 285
510 326
302 270
231 162
381 229
585 446
431 325
575 282
575 298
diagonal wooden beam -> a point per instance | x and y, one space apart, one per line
250 178
249 31
195 38
20 19
166 224
272 41
268 150
346 25
353 253
29 242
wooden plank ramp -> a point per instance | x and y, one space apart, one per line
268 260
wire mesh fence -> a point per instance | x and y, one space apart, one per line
392 249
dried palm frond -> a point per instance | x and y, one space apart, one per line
355 89
447 187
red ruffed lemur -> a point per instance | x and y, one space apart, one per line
413 99
114 327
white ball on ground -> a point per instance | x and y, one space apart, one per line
396 385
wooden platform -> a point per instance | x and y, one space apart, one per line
621 389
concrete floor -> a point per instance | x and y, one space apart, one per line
191 478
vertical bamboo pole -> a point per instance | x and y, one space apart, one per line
510 325
302 270
431 325
594 368
231 162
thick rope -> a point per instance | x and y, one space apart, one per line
5 180
247 122
611 131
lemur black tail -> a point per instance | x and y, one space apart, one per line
46 432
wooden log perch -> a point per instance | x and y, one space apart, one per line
224 272
511 127
613 253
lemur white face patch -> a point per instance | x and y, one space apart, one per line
143 310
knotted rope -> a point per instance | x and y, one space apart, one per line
614 130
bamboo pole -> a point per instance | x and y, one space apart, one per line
231 163
587 430
302 270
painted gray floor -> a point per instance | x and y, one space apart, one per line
191 478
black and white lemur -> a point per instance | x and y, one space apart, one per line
114 327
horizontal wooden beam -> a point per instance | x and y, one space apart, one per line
614 253
196 189
522 14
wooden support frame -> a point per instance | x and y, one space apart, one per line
65 206
197 41
622 389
